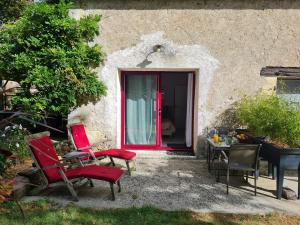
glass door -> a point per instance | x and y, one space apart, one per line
140 110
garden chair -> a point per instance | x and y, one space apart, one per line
243 157
81 143
55 170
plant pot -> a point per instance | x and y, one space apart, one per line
279 159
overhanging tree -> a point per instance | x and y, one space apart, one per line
50 55
11 10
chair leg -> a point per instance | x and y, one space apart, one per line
112 190
91 182
247 176
69 185
128 167
255 187
119 185
227 182
112 161
72 191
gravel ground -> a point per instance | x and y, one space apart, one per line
176 183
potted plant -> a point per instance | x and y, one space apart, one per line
278 120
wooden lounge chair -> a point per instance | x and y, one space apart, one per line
53 170
81 143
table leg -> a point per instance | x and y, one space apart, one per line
279 181
274 172
208 156
270 169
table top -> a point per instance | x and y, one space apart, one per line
218 144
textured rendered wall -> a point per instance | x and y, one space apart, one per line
227 41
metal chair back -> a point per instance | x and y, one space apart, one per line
244 155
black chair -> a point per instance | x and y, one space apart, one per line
243 157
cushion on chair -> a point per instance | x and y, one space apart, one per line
45 154
116 153
81 141
110 174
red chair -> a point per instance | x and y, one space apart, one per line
53 170
81 143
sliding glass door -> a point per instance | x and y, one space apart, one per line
157 110
140 109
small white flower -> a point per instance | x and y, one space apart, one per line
14 126
20 127
3 135
17 145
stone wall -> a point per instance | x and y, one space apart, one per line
225 42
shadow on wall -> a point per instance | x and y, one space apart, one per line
227 119
188 4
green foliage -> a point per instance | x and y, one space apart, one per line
10 10
12 139
270 115
47 52
2 164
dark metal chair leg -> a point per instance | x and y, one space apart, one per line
91 182
227 181
119 185
112 191
112 161
128 167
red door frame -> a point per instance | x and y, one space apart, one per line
158 111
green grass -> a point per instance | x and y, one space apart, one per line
43 212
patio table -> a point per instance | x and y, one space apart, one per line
213 149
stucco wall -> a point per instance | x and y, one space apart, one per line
228 42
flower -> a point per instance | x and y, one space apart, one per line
20 127
17 145
3 135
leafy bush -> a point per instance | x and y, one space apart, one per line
270 115
49 54
10 10
12 139
2 164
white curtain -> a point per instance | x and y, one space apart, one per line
189 112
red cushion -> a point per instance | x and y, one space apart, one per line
45 154
110 174
79 136
116 153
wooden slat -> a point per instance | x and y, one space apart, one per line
270 71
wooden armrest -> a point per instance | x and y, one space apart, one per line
75 154
58 165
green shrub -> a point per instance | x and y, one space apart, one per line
270 115
11 10
12 139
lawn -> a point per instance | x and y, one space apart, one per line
43 212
